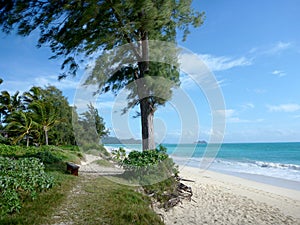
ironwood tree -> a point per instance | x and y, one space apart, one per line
75 29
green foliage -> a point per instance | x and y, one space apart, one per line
70 27
82 28
119 154
155 171
104 163
43 116
47 154
21 125
17 151
20 179
40 115
151 166
97 148
89 127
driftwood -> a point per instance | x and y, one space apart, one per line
182 192
185 179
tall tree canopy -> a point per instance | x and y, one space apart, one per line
44 116
75 27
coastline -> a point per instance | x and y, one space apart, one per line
273 181
225 199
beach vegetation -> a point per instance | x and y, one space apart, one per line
99 200
157 174
118 155
104 163
21 179
43 116
75 30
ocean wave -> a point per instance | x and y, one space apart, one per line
277 165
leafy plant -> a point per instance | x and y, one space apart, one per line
151 166
93 146
156 172
119 155
20 179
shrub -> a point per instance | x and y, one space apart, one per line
119 155
92 146
156 172
20 179
151 166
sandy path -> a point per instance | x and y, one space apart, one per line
88 166
224 199
66 213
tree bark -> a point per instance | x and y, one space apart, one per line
147 115
46 134
27 141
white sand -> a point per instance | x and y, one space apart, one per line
224 199
90 166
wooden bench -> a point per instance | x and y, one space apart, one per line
72 168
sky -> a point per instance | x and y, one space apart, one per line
250 48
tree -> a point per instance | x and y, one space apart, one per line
9 104
45 116
91 126
62 131
20 125
73 27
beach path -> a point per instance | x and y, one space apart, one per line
71 211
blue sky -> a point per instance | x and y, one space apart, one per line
251 47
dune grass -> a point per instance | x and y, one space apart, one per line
104 163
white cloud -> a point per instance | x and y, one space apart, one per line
42 81
248 106
279 73
284 108
273 49
279 47
220 63
232 116
227 112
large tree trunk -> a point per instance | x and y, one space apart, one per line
146 107
147 115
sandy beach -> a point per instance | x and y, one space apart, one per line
224 199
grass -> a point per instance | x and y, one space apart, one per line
41 209
96 200
102 201
104 163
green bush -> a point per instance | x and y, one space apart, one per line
93 146
20 179
151 166
119 155
155 171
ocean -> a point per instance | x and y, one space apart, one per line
272 163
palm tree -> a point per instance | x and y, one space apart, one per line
21 124
44 115
34 94
9 104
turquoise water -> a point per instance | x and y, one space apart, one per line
275 160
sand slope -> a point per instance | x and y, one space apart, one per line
224 199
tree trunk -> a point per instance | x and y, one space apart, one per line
27 140
147 115
46 134
146 107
